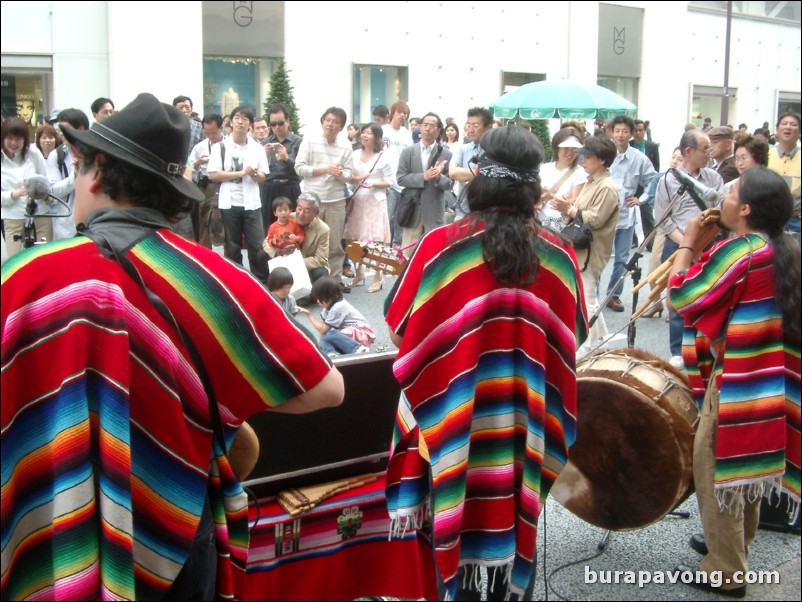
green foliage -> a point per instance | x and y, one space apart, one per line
281 92
540 128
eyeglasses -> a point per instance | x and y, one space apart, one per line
277 123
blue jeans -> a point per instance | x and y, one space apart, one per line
392 202
336 342
236 222
621 248
676 323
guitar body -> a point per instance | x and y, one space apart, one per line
377 256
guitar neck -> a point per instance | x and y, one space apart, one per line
377 256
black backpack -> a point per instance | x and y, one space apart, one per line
61 154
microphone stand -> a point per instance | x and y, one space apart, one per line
633 268
28 236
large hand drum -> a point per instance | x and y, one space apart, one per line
631 463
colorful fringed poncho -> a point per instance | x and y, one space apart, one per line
758 376
488 409
107 445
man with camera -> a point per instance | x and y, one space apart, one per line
281 147
211 223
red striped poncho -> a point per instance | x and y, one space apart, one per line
107 448
728 302
488 409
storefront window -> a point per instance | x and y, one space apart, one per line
24 96
377 85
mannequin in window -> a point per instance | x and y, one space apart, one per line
228 101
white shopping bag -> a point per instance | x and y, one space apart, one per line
301 285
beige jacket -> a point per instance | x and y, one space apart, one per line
599 205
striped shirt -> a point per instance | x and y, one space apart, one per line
316 151
488 409
686 208
107 447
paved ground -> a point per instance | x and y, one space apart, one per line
568 545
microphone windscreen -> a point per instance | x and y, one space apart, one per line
37 187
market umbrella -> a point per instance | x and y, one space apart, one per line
561 98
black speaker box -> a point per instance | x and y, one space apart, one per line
775 516
335 443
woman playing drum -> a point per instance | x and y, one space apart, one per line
741 308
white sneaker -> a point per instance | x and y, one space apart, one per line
362 349
677 362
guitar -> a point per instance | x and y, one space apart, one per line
377 256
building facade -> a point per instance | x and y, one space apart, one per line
668 58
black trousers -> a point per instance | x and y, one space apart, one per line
270 191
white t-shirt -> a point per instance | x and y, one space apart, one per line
394 142
243 192
549 175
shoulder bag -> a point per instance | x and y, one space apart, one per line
407 210
579 235
349 202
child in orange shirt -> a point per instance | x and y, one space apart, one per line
284 234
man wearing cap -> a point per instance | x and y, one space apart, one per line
723 159
131 356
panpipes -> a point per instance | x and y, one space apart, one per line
659 277
298 500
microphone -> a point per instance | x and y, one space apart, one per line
37 187
703 196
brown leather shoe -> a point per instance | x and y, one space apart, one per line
615 304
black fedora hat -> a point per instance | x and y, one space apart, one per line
147 134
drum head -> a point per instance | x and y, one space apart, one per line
631 463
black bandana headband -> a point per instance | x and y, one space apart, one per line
494 169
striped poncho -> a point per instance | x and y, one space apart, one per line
488 409
106 438
730 293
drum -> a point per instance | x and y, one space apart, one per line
632 462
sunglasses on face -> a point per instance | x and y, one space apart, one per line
277 123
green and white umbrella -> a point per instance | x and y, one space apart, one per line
561 98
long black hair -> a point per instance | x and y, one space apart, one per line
771 207
503 196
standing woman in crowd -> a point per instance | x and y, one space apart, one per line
486 315
741 308
47 139
598 207
353 136
20 161
749 152
373 176
451 137
561 179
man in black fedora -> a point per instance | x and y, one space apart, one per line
131 356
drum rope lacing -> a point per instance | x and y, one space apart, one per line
633 363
